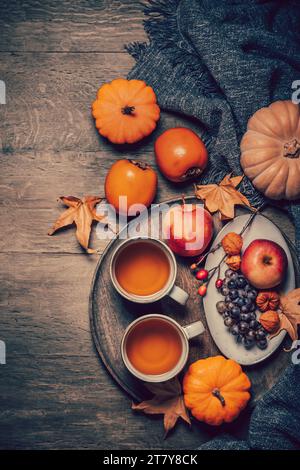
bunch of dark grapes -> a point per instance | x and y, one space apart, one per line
238 310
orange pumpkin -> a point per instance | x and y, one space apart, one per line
125 110
135 180
216 390
270 150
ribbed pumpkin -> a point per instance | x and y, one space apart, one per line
125 110
270 150
216 390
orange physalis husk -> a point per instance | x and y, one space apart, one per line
232 243
80 212
289 314
270 321
222 197
234 262
267 300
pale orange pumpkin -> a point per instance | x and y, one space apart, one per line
216 390
125 110
270 150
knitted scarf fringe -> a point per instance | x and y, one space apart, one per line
163 30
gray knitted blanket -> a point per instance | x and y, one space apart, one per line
219 61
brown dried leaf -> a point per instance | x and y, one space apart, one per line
81 212
290 314
222 197
167 400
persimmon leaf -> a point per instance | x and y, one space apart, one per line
290 314
167 400
80 212
222 197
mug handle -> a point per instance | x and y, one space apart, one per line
179 295
194 329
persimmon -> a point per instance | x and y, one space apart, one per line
180 154
135 180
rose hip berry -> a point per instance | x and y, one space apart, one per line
202 290
202 275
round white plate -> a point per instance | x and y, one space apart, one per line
261 227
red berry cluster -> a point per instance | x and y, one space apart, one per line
204 276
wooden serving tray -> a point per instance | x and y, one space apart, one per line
110 314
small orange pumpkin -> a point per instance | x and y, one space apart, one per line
216 390
125 110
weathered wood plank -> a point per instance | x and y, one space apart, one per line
79 25
53 389
25 228
44 303
24 175
52 402
53 111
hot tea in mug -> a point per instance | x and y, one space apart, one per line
155 347
144 270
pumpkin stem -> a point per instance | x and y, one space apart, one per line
216 393
292 149
128 110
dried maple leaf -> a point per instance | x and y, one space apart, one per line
167 400
222 197
81 212
290 314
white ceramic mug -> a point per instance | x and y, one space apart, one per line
170 289
185 333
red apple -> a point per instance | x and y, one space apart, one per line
264 264
188 229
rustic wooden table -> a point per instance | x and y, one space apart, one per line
54 391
